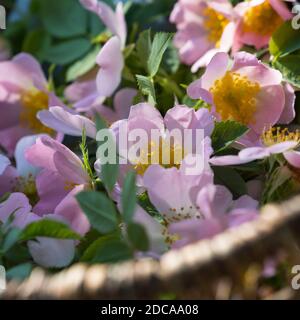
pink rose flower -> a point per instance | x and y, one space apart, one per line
47 252
203 29
246 91
258 20
192 207
24 92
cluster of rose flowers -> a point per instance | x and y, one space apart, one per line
40 177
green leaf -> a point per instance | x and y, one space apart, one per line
289 66
99 209
36 42
143 47
107 249
231 179
109 171
64 19
109 175
171 61
82 66
160 44
49 229
100 123
279 185
146 204
129 197
138 236
100 241
85 155
11 239
284 40
146 86
19 272
67 51
225 133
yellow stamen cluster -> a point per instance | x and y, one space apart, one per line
234 96
262 19
276 135
165 153
32 102
27 186
174 216
69 185
169 238
214 23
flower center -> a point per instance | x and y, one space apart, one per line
214 23
165 153
277 135
234 97
262 20
28 187
32 102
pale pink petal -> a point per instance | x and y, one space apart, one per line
114 21
4 163
40 155
67 163
213 201
123 101
192 42
19 77
215 70
8 180
22 220
9 138
282 147
227 161
263 75
241 216
205 59
17 203
70 210
68 123
32 68
270 104
24 167
245 202
191 231
170 191
255 153
182 117
227 38
80 89
148 112
111 62
51 189
282 9
70 168
244 59
120 23
288 114
196 91
89 103
293 158
10 108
